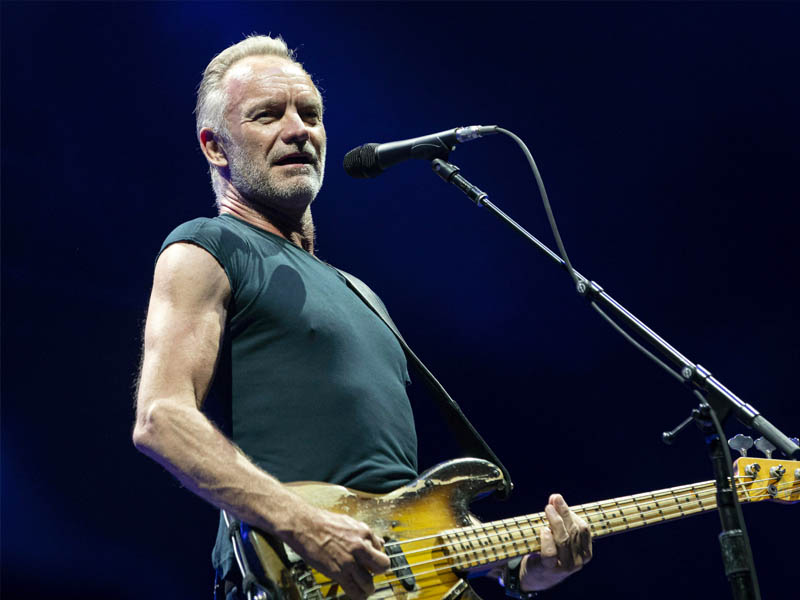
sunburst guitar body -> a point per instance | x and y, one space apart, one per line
433 541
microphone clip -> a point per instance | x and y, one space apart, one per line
451 174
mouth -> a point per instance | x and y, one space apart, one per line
296 158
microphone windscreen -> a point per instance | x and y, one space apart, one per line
362 162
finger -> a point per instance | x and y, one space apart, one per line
548 556
362 578
569 518
377 542
560 536
585 541
368 557
351 587
579 541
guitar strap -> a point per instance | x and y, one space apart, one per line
465 433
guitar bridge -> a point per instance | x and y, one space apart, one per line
302 577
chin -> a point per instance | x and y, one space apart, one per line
289 197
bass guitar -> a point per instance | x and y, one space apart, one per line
432 539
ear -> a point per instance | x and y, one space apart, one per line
211 145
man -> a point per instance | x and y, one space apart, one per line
312 382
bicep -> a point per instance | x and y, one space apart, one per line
184 328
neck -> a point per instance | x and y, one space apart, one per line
487 543
298 230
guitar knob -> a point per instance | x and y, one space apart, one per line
765 446
741 443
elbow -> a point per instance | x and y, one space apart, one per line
146 429
140 438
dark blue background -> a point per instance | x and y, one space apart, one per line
667 135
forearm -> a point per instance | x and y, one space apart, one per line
185 325
187 444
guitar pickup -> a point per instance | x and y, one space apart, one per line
399 565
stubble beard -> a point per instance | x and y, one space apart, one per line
265 189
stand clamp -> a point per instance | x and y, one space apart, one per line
450 173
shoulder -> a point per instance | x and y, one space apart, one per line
203 230
186 270
203 245
220 237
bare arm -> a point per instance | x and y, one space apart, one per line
185 324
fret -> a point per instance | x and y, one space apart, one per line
463 550
669 506
509 543
534 529
648 498
630 512
494 545
531 540
484 537
622 514
604 522
640 500
499 540
476 533
596 527
699 499
678 506
661 499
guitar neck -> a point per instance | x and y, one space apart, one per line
495 541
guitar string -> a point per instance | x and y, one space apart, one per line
601 504
582 510
385 593
651 519
504 545
677 493
703 495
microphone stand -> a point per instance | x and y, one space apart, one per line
717 401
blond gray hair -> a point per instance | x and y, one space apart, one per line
212 99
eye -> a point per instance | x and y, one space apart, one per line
311 117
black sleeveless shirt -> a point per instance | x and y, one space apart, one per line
311 382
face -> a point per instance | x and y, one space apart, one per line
276 151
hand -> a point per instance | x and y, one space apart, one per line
566 547
342 548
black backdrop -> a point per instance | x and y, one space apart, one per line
667 135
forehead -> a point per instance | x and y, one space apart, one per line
256 77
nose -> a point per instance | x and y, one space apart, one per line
295 130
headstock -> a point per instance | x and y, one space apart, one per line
760 479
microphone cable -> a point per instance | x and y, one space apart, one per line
563 252
720 433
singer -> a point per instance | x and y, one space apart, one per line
309 383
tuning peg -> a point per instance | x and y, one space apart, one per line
765 446
741 443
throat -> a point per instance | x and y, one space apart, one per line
299 231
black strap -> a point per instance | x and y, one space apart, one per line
465 433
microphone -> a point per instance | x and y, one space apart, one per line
371 160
